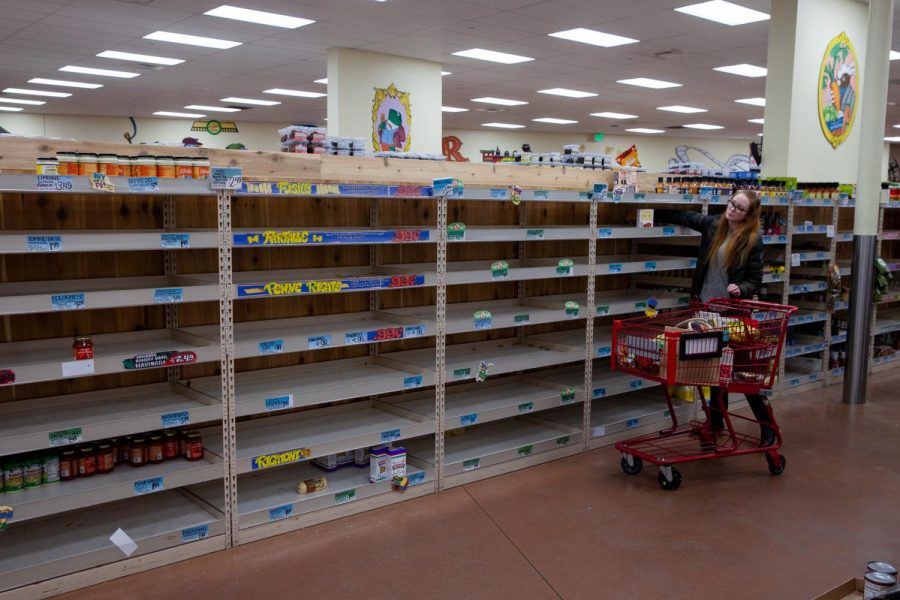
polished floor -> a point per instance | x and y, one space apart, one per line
579 528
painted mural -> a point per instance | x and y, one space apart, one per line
838 89
391 119
735 162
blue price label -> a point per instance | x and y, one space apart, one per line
390 436
416 478
54 183
692 263
281 512
280 402
413 331
143 184
318 342
174 241
193 534
271 347
498 193
168 295
43 243
412 382
541 195
148 486
636 383
639 196
469 419
604 352
175 419
632 423
668 231
484 323
599 392
650 265
615 268
67 301
605 233
225 178
355 337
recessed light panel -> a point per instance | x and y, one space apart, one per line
453 109
323 81
18 101
758 121
682 109
613 115
500 101
257 16
252 101
654 84
744 70
752 101
492 56
554 121
724 12
166 113
895 139
705 126
595 38
297 93
37 93
894 55
567 93
223 109
645 130
100 72
11 109
445 73
142 58
503 125
191 40
61 83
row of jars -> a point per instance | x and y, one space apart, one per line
34 470
112 165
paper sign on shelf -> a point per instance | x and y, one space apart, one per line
280 402
534 234
470 419
43 243
599 392
668 231
54 183
281 512
562 441
168 295
149 486
471 464
271 347
390 436
167 358
598 431
414 331
123 542
541 194
565 267
177 418
193 534
225 178
416 478
525 450
65 437
522 319
483 319
102 183
632 423
317 342
412 382
600 191
462 373
526 407
267 461
345 496
143 184
829 231
604 233
67 301
174 241
77 368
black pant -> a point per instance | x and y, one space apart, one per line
718 403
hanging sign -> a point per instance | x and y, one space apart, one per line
838 90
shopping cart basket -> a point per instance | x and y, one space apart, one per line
727 343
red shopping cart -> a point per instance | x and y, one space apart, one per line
727 343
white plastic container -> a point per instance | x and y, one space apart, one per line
378 465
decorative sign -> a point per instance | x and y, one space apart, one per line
139 185
838 89
67 301
148 486
327 286
226 178
193 534
214 127
174 241
572 308
65 437
565 267
175 419
54 183
271 347
456 232
43 243
391 120
166 358
315 238
101 182
567 396
280 402
168 295
483 319
267 461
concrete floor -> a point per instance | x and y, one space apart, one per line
579 528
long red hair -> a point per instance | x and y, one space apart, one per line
745 236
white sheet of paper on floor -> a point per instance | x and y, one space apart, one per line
123 542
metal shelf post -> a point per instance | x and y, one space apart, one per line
440 339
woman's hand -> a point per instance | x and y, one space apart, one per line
734 290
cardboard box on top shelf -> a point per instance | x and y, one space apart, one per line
851 589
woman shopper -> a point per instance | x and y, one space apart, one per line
730 263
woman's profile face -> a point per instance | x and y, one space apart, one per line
737 208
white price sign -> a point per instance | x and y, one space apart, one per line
226 178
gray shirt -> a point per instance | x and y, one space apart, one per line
715 285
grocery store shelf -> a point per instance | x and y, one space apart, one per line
807 286
330 236
272 496
98 415
76 541
838 338
575 339
494 443
123 482
651 198
805 344
807 316
605 383
881 363
52 359
323 431
618 232
273 390
27 297
775 239
15 182
50 242
886 321
808 229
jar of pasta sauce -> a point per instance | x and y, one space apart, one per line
68 465
194 446
170 445
87 461
83 348
106 458
155 449
137 452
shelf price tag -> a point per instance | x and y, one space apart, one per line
604 352
456 232
390 436
355 337
174 241
193 534
168 295
632 423
271 347
498 193
541 195
668 231
650 265
525 450
67 301
829 231
565 267
77 368
226 178
526 407
483 319
65 437
615 268
43 243
599 392
604 233
267 461
280 402
603 311
345 496
149 486
572 309
687 197
499 270
143 184
318 342
414 331
567 396
281 512
522 319
167 358
54 183
175 419
416 478
562 441
101 182
534 234
471 464
462 373
470 419
412 382
598 431
635 383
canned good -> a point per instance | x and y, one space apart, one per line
146 166
83 348
32 471
87 462
165 167
124 166
87 164
881 567
877 583
68 465
67 163
47 166
50 468
106 458
108 164
184 167
13 476
201 168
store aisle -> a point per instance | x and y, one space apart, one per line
581 529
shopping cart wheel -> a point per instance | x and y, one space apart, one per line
776 466
632 464
670 483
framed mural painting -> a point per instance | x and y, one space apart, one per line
838 89
391 120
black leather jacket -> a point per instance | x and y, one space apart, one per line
747 275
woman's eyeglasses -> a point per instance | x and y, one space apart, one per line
735 206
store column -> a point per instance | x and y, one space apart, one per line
393 102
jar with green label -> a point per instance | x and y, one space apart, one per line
50 468
13 476
33 471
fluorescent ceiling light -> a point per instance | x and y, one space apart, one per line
705 126
500 101
445 73
645 130
11 108
595 38
744 69
490 55
257 16
554 121
753 101
655 84
37 93
895 126
894 139
724 12
682 109
165 113
251 101
61 83
453 109
17 101
894 55
298 93
101 72
613 115
224 109
191 40
142 58
567 93
503 125
759 121
323 81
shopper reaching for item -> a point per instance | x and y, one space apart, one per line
730 263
